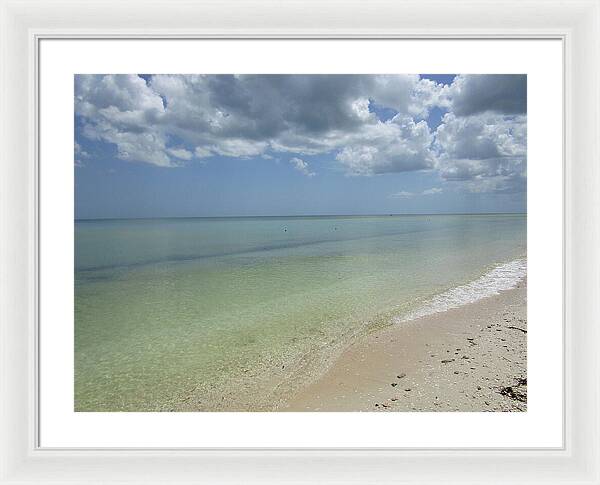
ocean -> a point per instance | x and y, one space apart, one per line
234 314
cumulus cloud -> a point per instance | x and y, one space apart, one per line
432 191
174 120
180 153
403 194
302 167
236 116
398 145
477 93
80 154
428 94
488 151
202 152
124 111
239 148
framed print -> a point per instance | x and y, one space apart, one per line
250 248
309 283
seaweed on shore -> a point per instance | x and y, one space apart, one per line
515 391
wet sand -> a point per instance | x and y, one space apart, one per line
472 358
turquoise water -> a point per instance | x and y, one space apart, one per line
235 313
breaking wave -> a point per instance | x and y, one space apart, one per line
503 277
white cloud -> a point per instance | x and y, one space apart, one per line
398 145
239 148
125 92
123 110
234 116
394 91
361 108
171 120
202 152
80 154
426 95
486 151
432 191
403 194
181 153
302 166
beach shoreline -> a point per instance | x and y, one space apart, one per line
469 358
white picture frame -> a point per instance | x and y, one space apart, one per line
23 24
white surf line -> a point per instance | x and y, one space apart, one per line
503 277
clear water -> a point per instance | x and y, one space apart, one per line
235 313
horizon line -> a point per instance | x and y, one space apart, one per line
297 216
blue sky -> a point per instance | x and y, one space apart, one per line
184 146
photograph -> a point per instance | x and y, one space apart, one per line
300 242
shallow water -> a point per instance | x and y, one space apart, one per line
229 313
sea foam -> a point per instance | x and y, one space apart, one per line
503 277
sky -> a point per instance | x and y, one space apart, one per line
250 145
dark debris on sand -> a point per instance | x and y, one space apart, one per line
517 391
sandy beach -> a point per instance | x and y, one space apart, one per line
471 358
